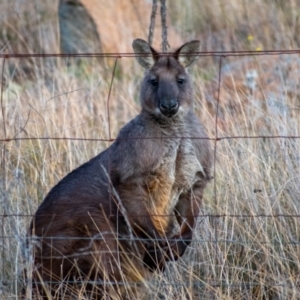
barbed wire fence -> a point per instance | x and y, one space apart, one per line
6 212
216 239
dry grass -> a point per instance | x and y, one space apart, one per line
231 257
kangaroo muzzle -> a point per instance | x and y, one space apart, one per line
169 108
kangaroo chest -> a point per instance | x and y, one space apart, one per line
175 173
179 165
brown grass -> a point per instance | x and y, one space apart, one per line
237 256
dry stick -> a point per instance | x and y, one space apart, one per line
2 106
215 157
152 22
216 131
108 97
108 116
163 12
3 161
2 232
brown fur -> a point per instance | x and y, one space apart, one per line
127 211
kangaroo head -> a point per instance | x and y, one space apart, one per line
166 89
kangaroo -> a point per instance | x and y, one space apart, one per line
122 215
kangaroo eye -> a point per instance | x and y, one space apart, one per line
180 81
154 82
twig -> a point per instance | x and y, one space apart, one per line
108 97
1 100
3 161
163 12
152 22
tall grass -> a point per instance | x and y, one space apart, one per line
246 245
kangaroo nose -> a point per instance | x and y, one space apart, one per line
169 108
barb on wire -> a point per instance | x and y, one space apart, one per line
127 54
216 215
131 237
242 216
204 283
152 138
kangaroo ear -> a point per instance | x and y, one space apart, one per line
144 53
188 53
